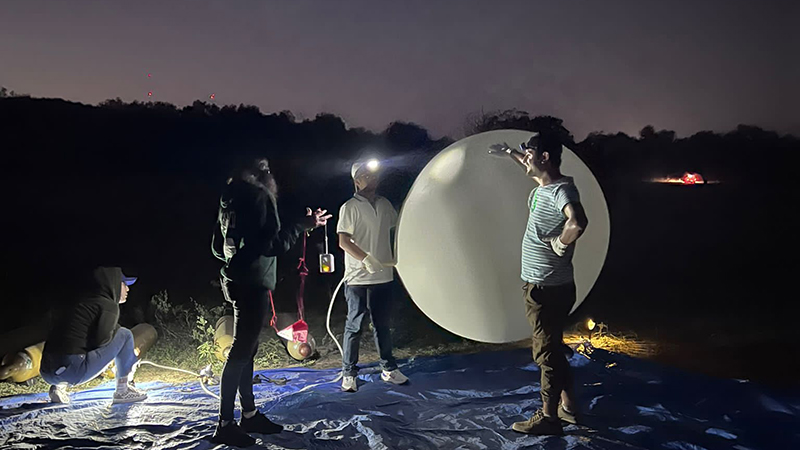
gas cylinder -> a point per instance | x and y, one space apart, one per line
223 337
144 336
23 365
302 350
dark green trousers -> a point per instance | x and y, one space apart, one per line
547 308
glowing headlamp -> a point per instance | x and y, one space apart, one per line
372 166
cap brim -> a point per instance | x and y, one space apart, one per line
128 280
355 168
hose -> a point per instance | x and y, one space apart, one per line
330 309
203 376
206 373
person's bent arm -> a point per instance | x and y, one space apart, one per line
369 262
347 244
517 157
107 323
277 238
576 223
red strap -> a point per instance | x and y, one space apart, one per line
303 273
274 318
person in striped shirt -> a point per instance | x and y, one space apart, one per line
556 220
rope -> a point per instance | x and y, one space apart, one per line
274 318
303 269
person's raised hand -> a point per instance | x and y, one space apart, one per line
316 218
499 149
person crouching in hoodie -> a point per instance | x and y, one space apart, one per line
87 338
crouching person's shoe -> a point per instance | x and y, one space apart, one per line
58 393
129 394
260 424
540 424
231 434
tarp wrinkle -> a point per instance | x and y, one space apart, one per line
451 402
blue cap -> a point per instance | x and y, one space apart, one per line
128 280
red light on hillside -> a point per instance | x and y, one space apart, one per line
692 178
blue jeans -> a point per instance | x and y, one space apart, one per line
80 368
375 299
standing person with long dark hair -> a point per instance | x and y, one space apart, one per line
249 238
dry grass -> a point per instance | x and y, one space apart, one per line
626 344
272 355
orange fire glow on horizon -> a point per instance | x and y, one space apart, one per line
687 179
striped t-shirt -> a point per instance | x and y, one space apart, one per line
546 219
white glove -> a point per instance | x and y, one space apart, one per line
559 247
371 264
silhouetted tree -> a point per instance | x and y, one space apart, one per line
517 120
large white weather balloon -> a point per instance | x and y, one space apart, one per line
459 239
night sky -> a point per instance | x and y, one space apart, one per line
600 65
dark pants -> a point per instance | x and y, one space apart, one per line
547 309
250 305
78 369
377 300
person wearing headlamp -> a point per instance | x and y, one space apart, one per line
365 223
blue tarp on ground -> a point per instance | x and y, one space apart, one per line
452 402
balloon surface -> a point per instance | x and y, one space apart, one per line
459 237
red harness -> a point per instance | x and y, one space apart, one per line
297 331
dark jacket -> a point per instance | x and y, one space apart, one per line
249 235
92 321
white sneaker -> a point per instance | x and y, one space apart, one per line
394 376
129 395
349 384
58 393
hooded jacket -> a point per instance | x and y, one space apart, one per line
249 235
91 322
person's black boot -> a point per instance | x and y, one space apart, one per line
231 434
260 424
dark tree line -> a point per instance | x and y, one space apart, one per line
616 157
137 184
